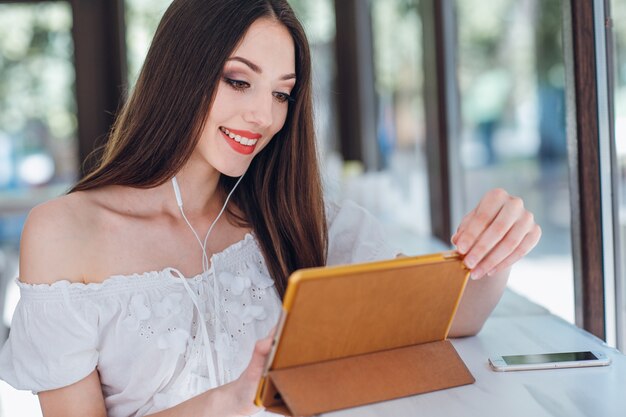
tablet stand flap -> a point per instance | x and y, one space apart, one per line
368 378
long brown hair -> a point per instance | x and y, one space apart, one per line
280 197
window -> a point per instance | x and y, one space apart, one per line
512 88
318 19
400 123
142 18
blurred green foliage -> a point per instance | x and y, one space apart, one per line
37 100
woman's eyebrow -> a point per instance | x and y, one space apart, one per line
254 67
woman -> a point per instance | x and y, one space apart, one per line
209 182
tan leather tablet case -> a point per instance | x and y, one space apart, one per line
358 334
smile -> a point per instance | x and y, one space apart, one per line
241 139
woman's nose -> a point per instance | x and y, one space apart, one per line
259 111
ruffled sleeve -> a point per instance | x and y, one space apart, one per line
53 339
354 235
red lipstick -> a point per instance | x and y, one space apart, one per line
238 147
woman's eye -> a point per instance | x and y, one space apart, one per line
283 97
236 84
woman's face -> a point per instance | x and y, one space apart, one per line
252 98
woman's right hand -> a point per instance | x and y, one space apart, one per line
235 399
240 394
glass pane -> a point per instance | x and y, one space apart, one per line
618 12
142 18
318 20
398 194
37 108
511 76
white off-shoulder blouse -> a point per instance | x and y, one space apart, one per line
147 333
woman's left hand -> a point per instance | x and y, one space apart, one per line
496 234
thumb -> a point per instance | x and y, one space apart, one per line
260 354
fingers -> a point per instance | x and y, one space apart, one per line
462 226
496 234
525 246
510 220
259 357
243 390
480 218
272 333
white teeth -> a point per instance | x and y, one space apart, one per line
240 139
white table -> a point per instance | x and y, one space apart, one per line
516 327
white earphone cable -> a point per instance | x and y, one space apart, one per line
179 200
205 269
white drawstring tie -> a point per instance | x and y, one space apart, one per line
205 333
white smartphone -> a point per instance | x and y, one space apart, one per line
549 361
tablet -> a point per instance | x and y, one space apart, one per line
339 312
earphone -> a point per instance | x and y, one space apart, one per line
179 199
218 371
179 202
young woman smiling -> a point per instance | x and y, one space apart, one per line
150 288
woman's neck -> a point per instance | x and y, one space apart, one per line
199 189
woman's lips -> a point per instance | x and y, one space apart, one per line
241 141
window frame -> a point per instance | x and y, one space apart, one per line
593 170
442 107
354 87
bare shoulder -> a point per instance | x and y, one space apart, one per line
56 237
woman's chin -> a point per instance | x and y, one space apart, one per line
234 172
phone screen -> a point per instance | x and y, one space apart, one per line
549 357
